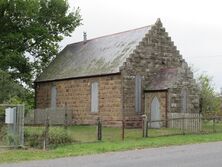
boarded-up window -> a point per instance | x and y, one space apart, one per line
155 112
138 87
184 100
94 97
53 96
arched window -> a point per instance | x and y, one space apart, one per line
155 112
184 100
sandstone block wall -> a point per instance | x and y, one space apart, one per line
76 93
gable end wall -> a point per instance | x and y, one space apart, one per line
156 51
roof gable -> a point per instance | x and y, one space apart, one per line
99 56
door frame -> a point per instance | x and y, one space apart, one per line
149 95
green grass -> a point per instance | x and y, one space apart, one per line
77 149
88 133
85 142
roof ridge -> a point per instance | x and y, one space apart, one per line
107 35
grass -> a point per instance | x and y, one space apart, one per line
86 137
88 133
85 134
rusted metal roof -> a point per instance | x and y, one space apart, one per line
103 55
164 79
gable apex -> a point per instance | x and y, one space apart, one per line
158 22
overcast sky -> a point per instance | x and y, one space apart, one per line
194 25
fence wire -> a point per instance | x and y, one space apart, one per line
45 130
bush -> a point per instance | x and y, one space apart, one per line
34 136
2 115
2 119
59 136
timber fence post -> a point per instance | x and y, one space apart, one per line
123 130
99 129
46 133
183 125
145 125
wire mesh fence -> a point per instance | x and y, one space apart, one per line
56 116
182 125
44 130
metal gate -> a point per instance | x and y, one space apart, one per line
11 125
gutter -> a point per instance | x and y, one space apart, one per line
79 77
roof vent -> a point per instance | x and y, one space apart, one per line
84 37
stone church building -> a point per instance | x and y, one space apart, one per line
123 75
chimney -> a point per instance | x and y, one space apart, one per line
84 37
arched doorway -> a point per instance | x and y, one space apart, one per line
155 112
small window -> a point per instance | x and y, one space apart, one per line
184 100
53 96
94 97
138 87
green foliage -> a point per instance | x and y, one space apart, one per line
57 135
33 137
2 115
34 28
29 34
210 100
13 92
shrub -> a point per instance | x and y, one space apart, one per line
59 136
34 136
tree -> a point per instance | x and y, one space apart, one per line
12 91
29 34
210 100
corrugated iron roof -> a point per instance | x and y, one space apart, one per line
103 55
164 79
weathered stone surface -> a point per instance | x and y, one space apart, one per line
156 51
76 94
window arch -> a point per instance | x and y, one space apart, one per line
184 100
